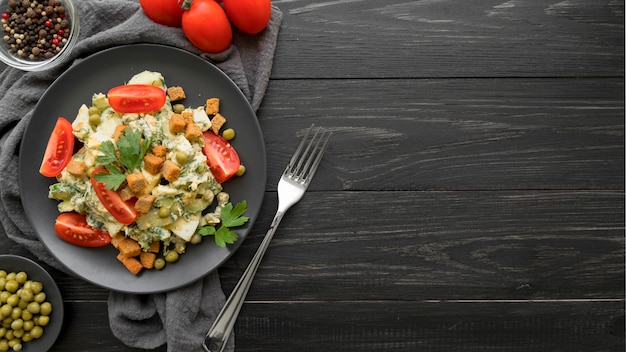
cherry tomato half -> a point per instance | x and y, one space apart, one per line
250 16
165 12
136 98
122 211
59 149
206 26
222 158
73 228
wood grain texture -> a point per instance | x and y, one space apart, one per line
472 198
454 134
447 38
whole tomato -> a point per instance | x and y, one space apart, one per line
250 16
165 12
206 26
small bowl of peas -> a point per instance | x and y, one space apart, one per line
37 34
31 306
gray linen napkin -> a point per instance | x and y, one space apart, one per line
179 318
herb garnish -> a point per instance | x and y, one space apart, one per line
124 156
230 217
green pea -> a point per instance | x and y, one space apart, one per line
13 300
159 263
3 273
241 170
93 110
33 307
28 325
36 332
16 313
11 286
196 238
181 157
26 295
36 287
178 108
228 134
171 256
164 212
43 320
10 276
40 297
4 345
6 310
21 277
46 308
4 296
94 119
17 324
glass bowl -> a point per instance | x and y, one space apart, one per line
24 34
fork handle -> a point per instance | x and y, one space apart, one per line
220 331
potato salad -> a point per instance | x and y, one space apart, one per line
143 177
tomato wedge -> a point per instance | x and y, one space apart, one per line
222 158
136 98
73 228
122 211
59 149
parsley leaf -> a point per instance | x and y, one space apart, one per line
128 153
230 217
112 179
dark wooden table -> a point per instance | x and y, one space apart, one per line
473 195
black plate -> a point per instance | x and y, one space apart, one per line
14 263
99 73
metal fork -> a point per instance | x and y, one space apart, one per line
291 187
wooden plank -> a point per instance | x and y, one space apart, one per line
443 38
453 134
392 326
431 245
441 245
431 326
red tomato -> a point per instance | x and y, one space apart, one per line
59 149
73 228
206 26
250 16
165 12
136 98
122 211
221 156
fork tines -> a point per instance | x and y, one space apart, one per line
304 163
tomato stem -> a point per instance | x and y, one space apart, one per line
185 4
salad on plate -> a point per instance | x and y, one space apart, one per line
139 170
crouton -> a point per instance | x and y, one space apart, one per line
170 171
119 130
77 168
217 122
132 264
187 116
147 259
154 247
116 239
129 248
159 150
212 106
176 93
177 123
136 182
193 132
144 203
153 163
126 193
